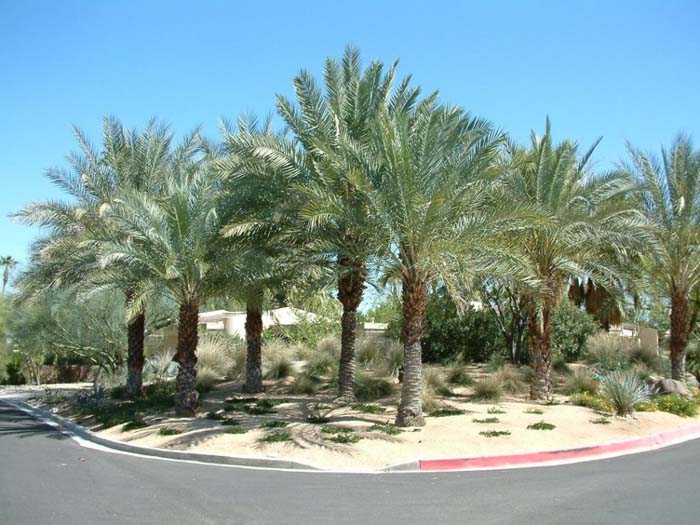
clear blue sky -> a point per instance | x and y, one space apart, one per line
624 70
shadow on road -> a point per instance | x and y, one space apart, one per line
17 423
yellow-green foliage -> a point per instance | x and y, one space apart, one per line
646 406
678 405
587 400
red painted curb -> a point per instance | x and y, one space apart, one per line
563 456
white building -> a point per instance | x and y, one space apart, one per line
233 323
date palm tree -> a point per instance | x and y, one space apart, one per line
671 201
170 239
586 224
323 119
8 263
64 258
427 189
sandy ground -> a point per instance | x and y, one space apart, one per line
442 437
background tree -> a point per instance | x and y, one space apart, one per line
671 202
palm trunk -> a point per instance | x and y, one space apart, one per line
186 395
351 286
135 360
415 302
253 367
680 331
540 351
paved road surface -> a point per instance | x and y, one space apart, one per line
48 478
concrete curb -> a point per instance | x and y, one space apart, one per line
563 457
509 461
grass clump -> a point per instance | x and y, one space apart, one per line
235 430
372 388
486 420
534 411
541 425
458 375
276 437
495 363
494 433
169 431
333 429
488 389
510 380
279 366
622 390
134 424
446 412
581 381
434 380
304 384
274 424
495 410
391 430
601 421
206 379
345 439
368 408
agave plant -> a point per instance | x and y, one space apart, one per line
623 390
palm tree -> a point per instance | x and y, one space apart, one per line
428 172
671 201
126 160
337 219
9 263
170 239
583 218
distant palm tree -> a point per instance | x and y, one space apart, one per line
170 239
583 218
126 160
428 193
671 201
337 219
9 263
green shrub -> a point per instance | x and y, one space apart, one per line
134 424
473 336
169 431
623 390
494 433
601 421
367 408
447 411
488 389
458 375
495 410
316 419
608 353
486 420
230 422
571 328
580 381
334 429
391 430
276 437
214 416
495 363
541 425
534 411
372 388
678 405
235 430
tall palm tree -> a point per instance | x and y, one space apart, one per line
170 240
583 218
429 207
323 119
8 263
671 201
126 160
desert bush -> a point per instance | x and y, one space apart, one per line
488 389
429 401
571 328
486 420
134 424
495 363
560 366
434 380
368 351
678 405
600 421
367 408
494 433
324 360
236 369
392 359
372 388
345 439
646 359
446 412
206 378
509 380
159 366
593 402
276 437
169 431
391 430
582 380
278 366
623 390
608 352
541 425
304 384
215 353
93 399
457 374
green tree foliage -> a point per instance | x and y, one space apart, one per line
571 327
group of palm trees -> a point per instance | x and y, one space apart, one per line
368 178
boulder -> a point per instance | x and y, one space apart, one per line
691 380
670 386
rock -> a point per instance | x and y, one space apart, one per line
692 381
670 386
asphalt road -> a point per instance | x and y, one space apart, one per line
48 478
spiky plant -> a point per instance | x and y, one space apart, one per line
623 390
671 201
